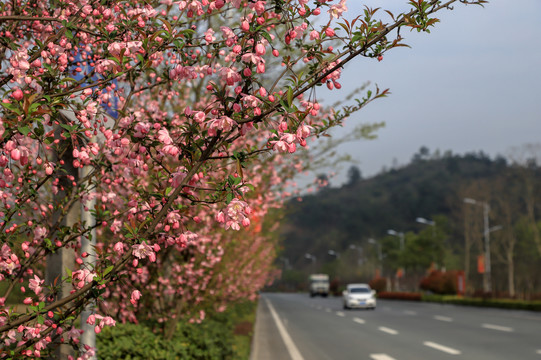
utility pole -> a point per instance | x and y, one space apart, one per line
487 274
63 257
88 246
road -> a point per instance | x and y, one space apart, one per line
297 327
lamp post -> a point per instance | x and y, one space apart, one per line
360 250
334 253
428 222
400 236
487 281
433 224
287 265
380 254
313 258
425 221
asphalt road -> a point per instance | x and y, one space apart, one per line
297 327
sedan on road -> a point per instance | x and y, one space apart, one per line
359 296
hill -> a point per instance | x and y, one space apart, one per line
359 214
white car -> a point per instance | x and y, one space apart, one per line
359 296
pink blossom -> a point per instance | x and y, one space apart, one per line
106 65
223 123
178 176
119 248
303 131
230 76
163 136
108 321
336 10
143 250
260 49
142 128
35 284
209 36
82 277
17 94
135 296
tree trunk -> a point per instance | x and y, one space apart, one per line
511 274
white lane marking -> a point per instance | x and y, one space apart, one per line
381 357
443 348
339 313
290 345
409 312
358 320
443 318
319 307
328 310
538 352
387 330
497 327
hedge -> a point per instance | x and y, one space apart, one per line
224 336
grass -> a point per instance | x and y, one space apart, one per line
243 317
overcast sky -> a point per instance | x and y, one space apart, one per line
473 83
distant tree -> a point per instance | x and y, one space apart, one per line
354 175
422 154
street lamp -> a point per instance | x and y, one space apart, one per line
334 253
313 258
430 223
360 250
400 236
287 265
380 254
425 221
487 281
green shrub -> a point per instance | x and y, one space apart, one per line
221 336
495 303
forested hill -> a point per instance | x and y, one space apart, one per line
430 186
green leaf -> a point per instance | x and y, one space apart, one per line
108 270
12 107
24 130
289 96
266 36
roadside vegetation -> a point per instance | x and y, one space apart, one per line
223 336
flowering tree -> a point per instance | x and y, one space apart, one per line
199 143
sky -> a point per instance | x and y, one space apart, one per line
473 84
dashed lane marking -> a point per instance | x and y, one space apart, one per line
339 313
410 312
358 320
387 330
497 327
328 310
381 357
443 348
443 318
